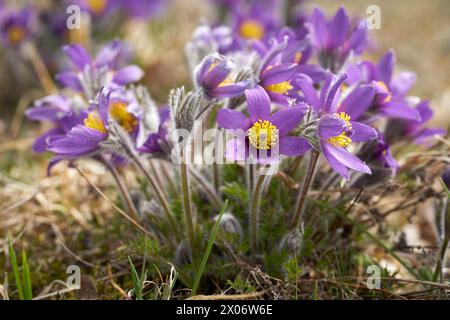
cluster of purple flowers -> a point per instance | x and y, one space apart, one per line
289 89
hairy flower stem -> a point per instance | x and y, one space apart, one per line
187 206
158 192
122 188
297 219
254 213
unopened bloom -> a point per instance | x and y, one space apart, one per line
158 142
264 131
215 76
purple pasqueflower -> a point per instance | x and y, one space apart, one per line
58 110
208 38
377 153
86 139
337 38
264 132
257 20
391 90
157 142
16 26
414 129
96 7
336 133
215 76
90 75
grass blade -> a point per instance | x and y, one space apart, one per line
136 281
26 277
214 232
17 277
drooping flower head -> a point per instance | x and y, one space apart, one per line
16 26
264 133
215 76
89 75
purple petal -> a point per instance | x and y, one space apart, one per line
293 146
347 159
358 101
309 92
235 149
278 73
338 29
319 24
331 126
334 163
287 119
258 103
402 83
332 96
108 54
217 75
77 55
41 143
69 79
230 91
386 67
362 132
232 119
400 110
128 75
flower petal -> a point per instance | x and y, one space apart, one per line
386 67
347 159
333 162
331 126
235 149
232 90
362 132
293 146
128 75
217 74
77 55
358 101
287 119
258 103
338 29
232 119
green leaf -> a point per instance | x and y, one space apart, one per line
26 277
136 281
214 232
17 277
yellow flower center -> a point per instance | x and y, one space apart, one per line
298 57
342 140
97 6
94 122
15 35
263 135
251 29
385 88
118 111
280 88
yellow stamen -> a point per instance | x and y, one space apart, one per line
280 88
263 135
298 57
342 140
94 122
385 88
97 6
15 35
251 29
118 111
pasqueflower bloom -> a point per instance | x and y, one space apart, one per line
214 76
336 133
390 90
87 138
16 26
96 7
336 39
90 75
264 132
61 112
